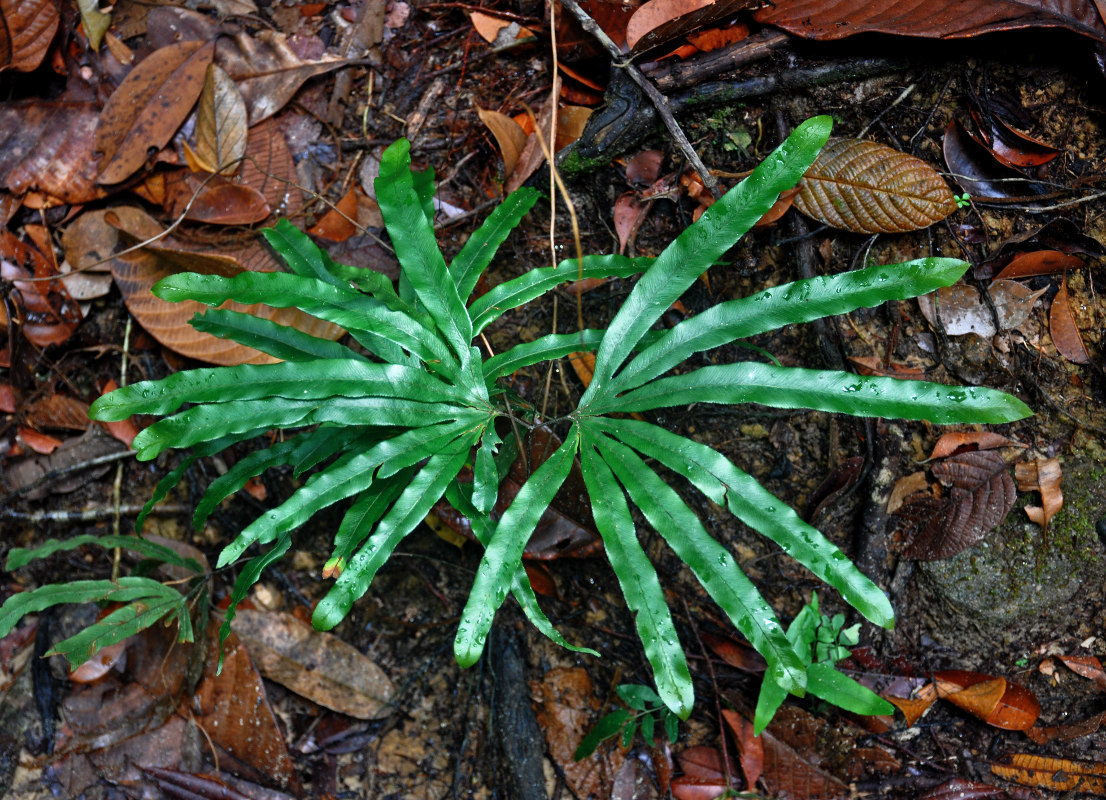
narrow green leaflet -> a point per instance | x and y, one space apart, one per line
700 245
412 506
789 304
310 380
124 590
639 583
346 477
250 574
367 510
279 341
514 293
828 683
300 253
716 477
713 565
485 484
822 390
503 556
412 235
545 348
470 263
422 182
21 556
121 623
374 325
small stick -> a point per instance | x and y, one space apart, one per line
88 514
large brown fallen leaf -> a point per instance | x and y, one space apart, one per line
1041 475
994 700
1054 774
26 29
268 72
47 147
136 272
961 308
315 665
1039 262
221 130
148 106
508 135
867 187
836 19
982 494
1061 326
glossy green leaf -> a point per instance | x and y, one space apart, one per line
637 696
485 483
349 475
422 181
375 326
119 624
503 556
514 293
822 390
789 304
123 590
639 583
412 234
412 506
247 577
279 341
648 729
367 510
607 727
21 556
717 478
545 348
301 254
700 245
713 565
480 249
826 682
311 380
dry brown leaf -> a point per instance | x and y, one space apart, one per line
716 38
340 222
315 665
750 748
148 106
1087 666
912 708
1054 774
1061 326
50 315
866 187
628 214
47 147
994 700
570 124
267 71
1042 475
952 443
221 130
217 201
499 33
26 29
659 22
904 487
270 169
1039 262
788 774
982 494
58 411
508 135
583 364
36 441
962 310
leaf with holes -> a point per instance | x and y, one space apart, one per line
982 494
867 187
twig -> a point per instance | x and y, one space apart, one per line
659 100
57 474
88 514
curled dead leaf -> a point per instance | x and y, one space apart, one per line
508 135
959 442
994 700
1041 475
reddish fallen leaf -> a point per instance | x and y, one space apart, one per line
994 700
659 22
973 167
26 29
1041 475
583 364
256 489
779 208
216 201
1061 326
148 106
750 747
788 774
951 444
41 443
1067 731
496 31
49 314
982 494
844 476
836 19
912 708
716 38
313 664
1087 666
628 215
687 787
1012 147
874 365
961 789
570 125
7 398
103 662
1039 262
736 654
866 187
541 579
58 411
1054 774
644 168
124 430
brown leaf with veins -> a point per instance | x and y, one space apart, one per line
1039 262
981 495
1054 774
1042 475
47 147
148 106
27 28
1061 326
221 130
866 187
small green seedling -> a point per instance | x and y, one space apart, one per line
644 708
962 200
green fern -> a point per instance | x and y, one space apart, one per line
390 424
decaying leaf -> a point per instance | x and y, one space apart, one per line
912 708
1054 774
94 21
981 495
1061 326
315 665
905 486
221 130
508 135
788 774
1010 146
1041 475
868 187
961 789
1039 262
959 442
703 778
47 147
994 700
26 29
961 308
49 313
1087 666
750 748
659 22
